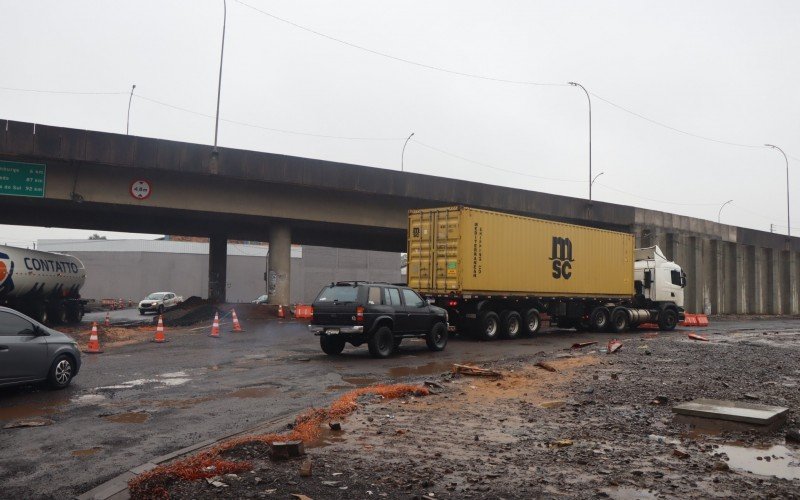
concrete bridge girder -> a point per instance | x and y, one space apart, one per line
254 196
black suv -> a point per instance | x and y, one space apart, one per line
380 314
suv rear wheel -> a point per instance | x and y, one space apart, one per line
381 343
437 337
331 345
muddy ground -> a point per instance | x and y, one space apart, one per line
600 426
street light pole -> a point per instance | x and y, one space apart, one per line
219 83
403 154
719 214
788 212
130 99
575 84
595 178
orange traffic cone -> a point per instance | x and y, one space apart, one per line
236 326
280 312
94 342
107 322
159 338
215 326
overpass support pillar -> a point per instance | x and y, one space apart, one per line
279 264
217 267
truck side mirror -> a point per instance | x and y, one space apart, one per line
683 279
648 279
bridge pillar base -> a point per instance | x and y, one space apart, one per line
279 264
217 268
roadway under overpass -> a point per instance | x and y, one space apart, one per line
250 195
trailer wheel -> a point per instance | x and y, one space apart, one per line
74 313
511 324
531 322
667 320
58 313
619 320
598 320
39 313
489 324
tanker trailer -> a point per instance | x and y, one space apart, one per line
43 285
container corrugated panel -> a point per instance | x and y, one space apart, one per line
471 251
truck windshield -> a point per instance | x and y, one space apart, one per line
155 296
344 293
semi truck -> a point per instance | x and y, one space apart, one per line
44 285
498 274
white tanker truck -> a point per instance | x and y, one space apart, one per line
43 285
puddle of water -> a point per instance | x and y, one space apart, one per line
88 399
359 381
175 381
173 375
699 426
128 418
626 493
130 384
326 438
25 411
254 392
778 461
434 368
333 388
85 453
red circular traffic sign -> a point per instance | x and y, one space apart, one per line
141 189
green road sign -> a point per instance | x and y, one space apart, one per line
22 179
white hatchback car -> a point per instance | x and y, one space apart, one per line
159 302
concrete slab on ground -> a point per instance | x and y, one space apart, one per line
735 411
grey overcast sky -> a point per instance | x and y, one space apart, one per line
725 70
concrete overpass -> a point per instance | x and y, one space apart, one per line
282 199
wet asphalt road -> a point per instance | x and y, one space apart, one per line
136 402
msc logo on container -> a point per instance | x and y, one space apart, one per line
562 258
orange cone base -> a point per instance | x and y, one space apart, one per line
154 341
93 351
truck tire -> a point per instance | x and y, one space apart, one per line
510 324
332 345
667 320
489 325
599 319
531 322
74 313
39 313
437 337
620 320
58 313
381 343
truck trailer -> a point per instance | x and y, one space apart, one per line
45 286
497 274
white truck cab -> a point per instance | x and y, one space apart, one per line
657 278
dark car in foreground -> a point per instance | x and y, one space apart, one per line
380 315
31 352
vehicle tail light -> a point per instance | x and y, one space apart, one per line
452 303
359 314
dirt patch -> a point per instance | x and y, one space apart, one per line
600 425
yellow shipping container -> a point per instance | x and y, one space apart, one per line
469 251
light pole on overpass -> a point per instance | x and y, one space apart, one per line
788 213
719 214
575 84
130 99
403 154
219 83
